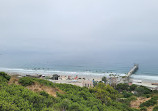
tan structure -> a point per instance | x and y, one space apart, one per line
87 83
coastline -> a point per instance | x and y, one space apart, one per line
88 75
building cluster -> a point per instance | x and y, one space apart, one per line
112 80
74 80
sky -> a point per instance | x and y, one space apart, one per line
83 29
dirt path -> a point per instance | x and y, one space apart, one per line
13 80
37 87
136 103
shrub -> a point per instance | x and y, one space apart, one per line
3 80
44 82
75 107
18 98
133 87
43 93
5 75
150 102
127 101
6 106
155 108
104 79
142 90
122 87
127 94
105 93
26 81
65 103
143 109
74 98
147 96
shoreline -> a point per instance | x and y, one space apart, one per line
88 75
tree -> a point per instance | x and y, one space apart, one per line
133 87
75 107
155 108
5 106
26 81
64 105
142 90
104 79
150 102
122 86
105 93
5 75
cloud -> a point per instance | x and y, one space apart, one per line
77 28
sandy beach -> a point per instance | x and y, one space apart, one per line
83 79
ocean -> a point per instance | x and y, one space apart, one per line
118 63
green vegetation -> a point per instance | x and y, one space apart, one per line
143 109
155 108
127 94
122 87
18 98
105 93
141 90
150 102
138 90
4 77
104 79
132 87
100 98
130 93
26 81
44 82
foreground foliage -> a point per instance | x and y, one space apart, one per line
150 102
18 98
155 108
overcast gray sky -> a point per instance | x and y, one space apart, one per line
73 27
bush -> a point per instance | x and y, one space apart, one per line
122 87
44 82
104 79
43 93
150 102
5 106
5 75
3 80
133 87
142 90
155 108
147 96
65 104
18 98
74 98
127 101
75 107
26 81
127 94
143 109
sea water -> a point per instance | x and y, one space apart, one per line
97 64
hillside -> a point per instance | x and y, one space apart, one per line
30 94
